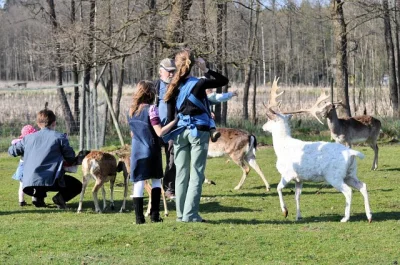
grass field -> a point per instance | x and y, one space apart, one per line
245 226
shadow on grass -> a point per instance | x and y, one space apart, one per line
389 169
237 194
385 216
287 191
216 207
87 207
283 221
32 209
320 188
358 217
249 222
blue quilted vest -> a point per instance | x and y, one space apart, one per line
188 121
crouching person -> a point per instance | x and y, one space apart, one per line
44 153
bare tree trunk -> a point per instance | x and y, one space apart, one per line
95 116
108 85
176 23
354 84
224 111
150 62
87 68
391 59
204 28
118 97
82 120
397 33
119 88
75 74
340 40
274 50
250 61
289 43
69 119
254 109
220 19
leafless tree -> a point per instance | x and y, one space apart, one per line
69 119
394 96
340 42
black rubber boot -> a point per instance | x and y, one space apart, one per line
38 202
155 205
138 206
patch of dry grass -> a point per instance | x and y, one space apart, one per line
22 105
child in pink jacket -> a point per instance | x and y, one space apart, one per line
27 129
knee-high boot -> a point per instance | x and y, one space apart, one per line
155 205
138 206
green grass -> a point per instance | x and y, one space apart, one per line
245 226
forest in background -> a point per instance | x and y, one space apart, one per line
354 44
293 39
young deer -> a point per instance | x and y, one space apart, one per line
124 154
240 146
351 130
102 167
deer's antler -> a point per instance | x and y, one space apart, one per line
273 95
314 109
272 99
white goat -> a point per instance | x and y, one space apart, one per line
102 167
314 161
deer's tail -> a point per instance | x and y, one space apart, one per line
356 153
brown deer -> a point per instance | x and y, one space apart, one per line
102 167
351 130
240 146
124 154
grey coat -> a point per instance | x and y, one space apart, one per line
43 152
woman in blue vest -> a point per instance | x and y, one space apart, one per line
186 98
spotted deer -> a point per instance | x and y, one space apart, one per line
102 167
124 155
240 146
351 130
348 130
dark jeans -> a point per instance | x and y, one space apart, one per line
68 191
170 170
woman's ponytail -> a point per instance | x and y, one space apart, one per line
184 62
